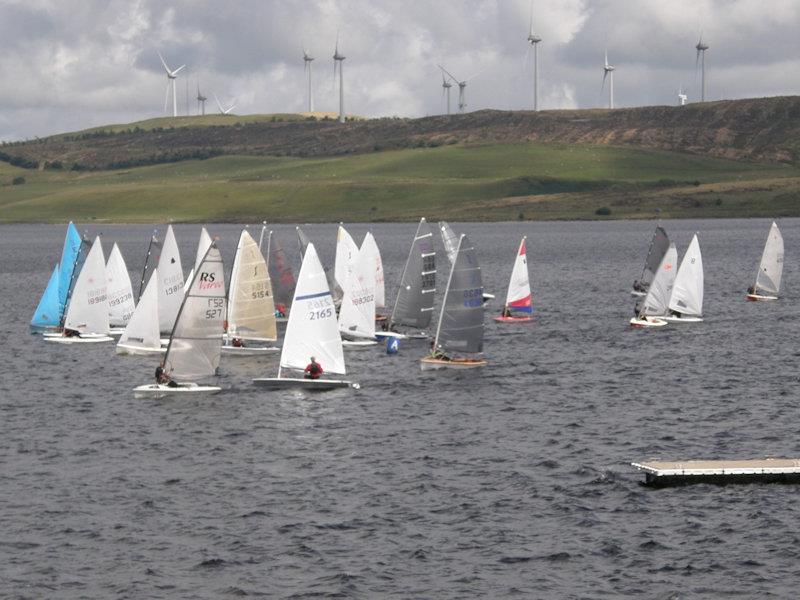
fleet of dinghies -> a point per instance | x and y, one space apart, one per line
86 299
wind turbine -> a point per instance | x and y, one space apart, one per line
608 71
224 111
338 59
307 58
701 59
201 100
682 97
462 86
534 40
446 85
171 77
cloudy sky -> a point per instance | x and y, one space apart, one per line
72 64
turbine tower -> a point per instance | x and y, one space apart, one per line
701 59
534 40
171 77
462 87
446 85
201 100
608 71
307 58
682 97
338 59
224 111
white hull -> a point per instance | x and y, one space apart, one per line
382 335
116 331
647 322
672 319
249 350
123 349
358 343
92 339
156 390
282 383
637 294
433 364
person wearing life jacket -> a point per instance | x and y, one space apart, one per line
280 310
162 378
313 369
237 342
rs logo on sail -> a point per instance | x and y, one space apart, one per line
207 281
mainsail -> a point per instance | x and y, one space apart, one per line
357 314
69 266
142 329
312 329
450 240
770 270
414 304
251 311
303 240
687 291
657 298
47 311
519 288
375 254
120 292
150 262
196 341
203 244
170 274
88 303
280 272
460 326
346 250
658 247
77 268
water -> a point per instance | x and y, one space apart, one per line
511 481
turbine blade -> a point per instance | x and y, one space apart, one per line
530 28
163 62
448 73
471 77
230 109
175 72
218 104
603 85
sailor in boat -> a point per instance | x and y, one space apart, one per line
313 369
162 378
71 332
751 290
280 311
436 353
506 312
237 342
638 287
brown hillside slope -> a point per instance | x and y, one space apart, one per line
759 130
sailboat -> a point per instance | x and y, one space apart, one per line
768 278
450 242
251 311
519 298
651 311
49 314
150 262
460 327
120 291
413 306
357 313
658 247
686 300
312 331
196 340
346 250
86 318
380 287
170 277
203 244
281 276
141 335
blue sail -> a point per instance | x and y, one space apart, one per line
47 313
69 258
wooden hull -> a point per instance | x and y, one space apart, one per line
759 298
432 364
647 322
513 319
317 385
125 349
156 390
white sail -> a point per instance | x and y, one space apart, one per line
450 241
170 273
142 329
657 299
251 310
202 247
196 341
346 250
120 291
380 288
357 314
770 270
687 291
312 329
88 305
519 287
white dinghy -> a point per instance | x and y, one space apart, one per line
519 298
311 331
120 292
170 282
651 311
251 310
686 300
460 327
413 306
658 247
450 243
142 336
196 341
357 313
86 319
770 271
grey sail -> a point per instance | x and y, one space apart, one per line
461 321
414 304
280 273
150 262
449 239
303 240
658 248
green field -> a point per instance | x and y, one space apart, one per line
495 182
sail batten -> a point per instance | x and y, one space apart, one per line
414 303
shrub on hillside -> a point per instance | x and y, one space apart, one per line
603 211
19 180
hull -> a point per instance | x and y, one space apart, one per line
36 329
125 349
637 294
380 318
432 364
283 383
249 350
513 319
358 343
683 319
383 335
647 322
116 331
93 339
759 298
156 390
